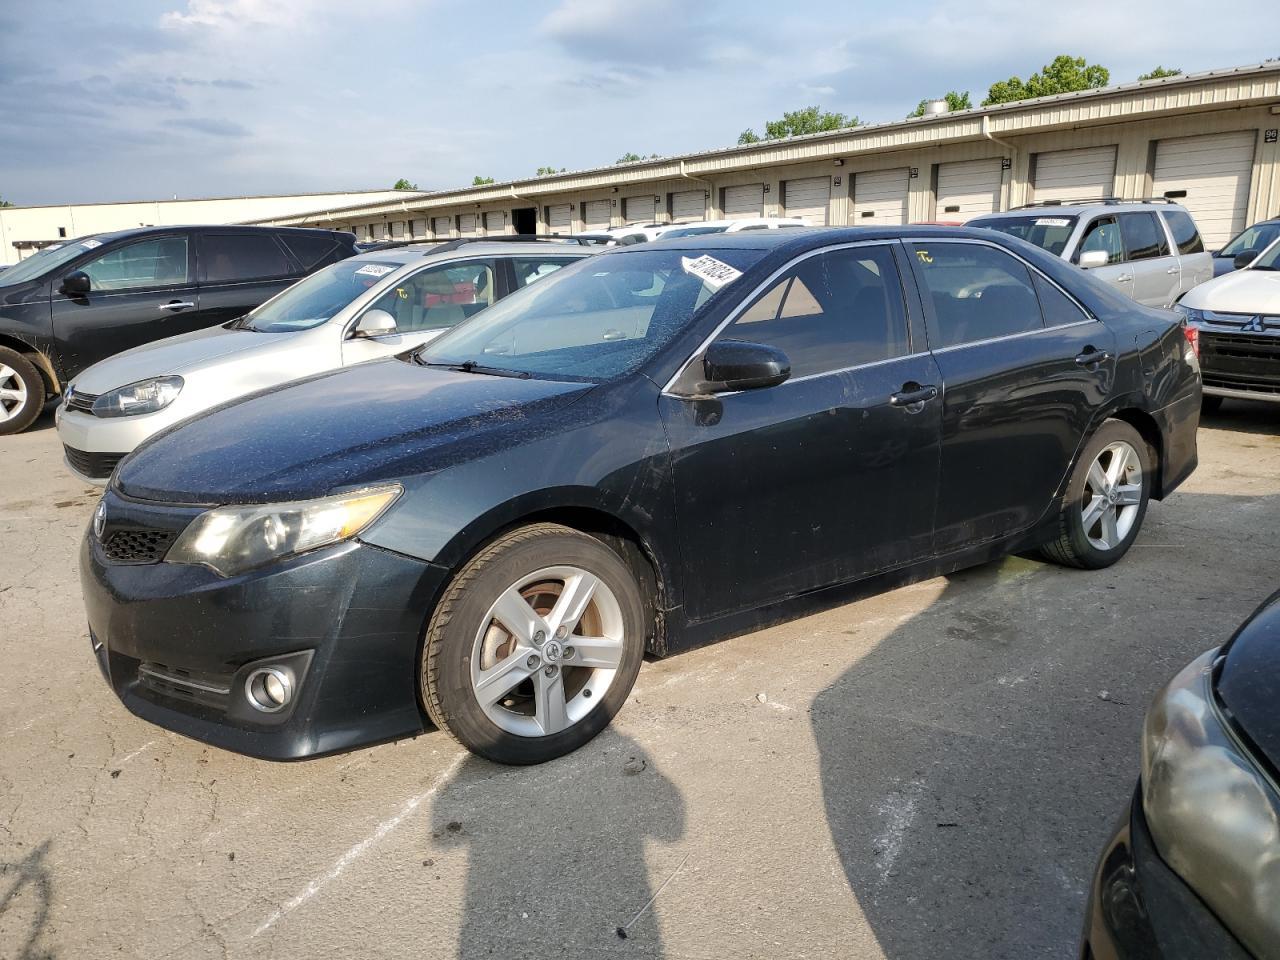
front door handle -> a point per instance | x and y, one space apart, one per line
1173 271
1091 357
912 394
176 305
1124 278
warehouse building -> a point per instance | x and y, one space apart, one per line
24 230
1206 140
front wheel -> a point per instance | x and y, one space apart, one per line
534 646
1106 499
21 392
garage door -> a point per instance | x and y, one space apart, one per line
640 209
1074 174
880 197
495 222
560 218
468 225
1214 171
380 231
743 202
398 230
595 215
810 199
689 205
418 227
968 188
442 227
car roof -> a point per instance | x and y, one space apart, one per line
109 236
800 238
1081 207
416 253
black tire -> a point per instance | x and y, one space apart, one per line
1210 404
1073 546
445 670
21 415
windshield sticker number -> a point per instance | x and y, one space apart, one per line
714 273
91 244
1053 222
374 270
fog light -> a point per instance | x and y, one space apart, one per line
269 688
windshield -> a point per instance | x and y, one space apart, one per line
692 231
595 320
311 302
1256 238
1269 260
47 259
1049 233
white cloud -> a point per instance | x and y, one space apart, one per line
235 14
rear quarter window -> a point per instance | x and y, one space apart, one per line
1184 231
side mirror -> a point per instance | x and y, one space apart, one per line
1093 258
742 365
76 284
1243 259
374 323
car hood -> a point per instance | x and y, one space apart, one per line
1242 291
365 424
1249 683
171 356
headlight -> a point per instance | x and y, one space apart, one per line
145 396
1191 313
231 540
1214 815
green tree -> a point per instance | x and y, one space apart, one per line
479 181
403 184
5 203
1159 72
955 101
799 122
547 171
1065 75
634 157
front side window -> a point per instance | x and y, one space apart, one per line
1255 239
1143 236
1103 234
830 312
439 297
237 257
159 262
1184 231
1047 232
310 302
529 269
977 292
597 319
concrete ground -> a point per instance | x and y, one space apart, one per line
926 773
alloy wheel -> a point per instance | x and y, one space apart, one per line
547 651
13 393
1112 495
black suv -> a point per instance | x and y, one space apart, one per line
81 301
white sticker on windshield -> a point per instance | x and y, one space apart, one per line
1053 222
714 273
373 270
90 244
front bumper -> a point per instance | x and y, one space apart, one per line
1139 909
177 642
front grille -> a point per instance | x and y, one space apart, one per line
81 401
138 546
1241 345
97 466
210 689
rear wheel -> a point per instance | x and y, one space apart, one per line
21 392
1106 499
535 645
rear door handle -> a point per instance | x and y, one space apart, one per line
1172 271
176 305
912 394
1124 278
1090 357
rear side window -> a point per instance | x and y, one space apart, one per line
832 311
1103 234
161 262
977 292
1184 231
231 257
313 252
1143 236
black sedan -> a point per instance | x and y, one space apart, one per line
1193 869
658 447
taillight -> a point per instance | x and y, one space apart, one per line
1193 337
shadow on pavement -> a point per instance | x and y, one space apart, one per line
558 855
1245 416
24 904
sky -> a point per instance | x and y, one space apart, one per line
148 99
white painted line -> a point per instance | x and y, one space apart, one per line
319 882
125 759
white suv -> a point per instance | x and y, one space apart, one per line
1149 250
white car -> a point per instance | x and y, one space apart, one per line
699 227
1237 318
367 307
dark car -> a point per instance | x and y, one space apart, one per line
1193 869
1245 246
75 303
654 448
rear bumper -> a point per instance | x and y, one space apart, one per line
1139 909
1178 424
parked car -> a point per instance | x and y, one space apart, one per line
660 446
1193 868
78 302
363 308
1150 251
1245 246
1237 320
700 227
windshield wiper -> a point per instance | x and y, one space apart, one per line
470 366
